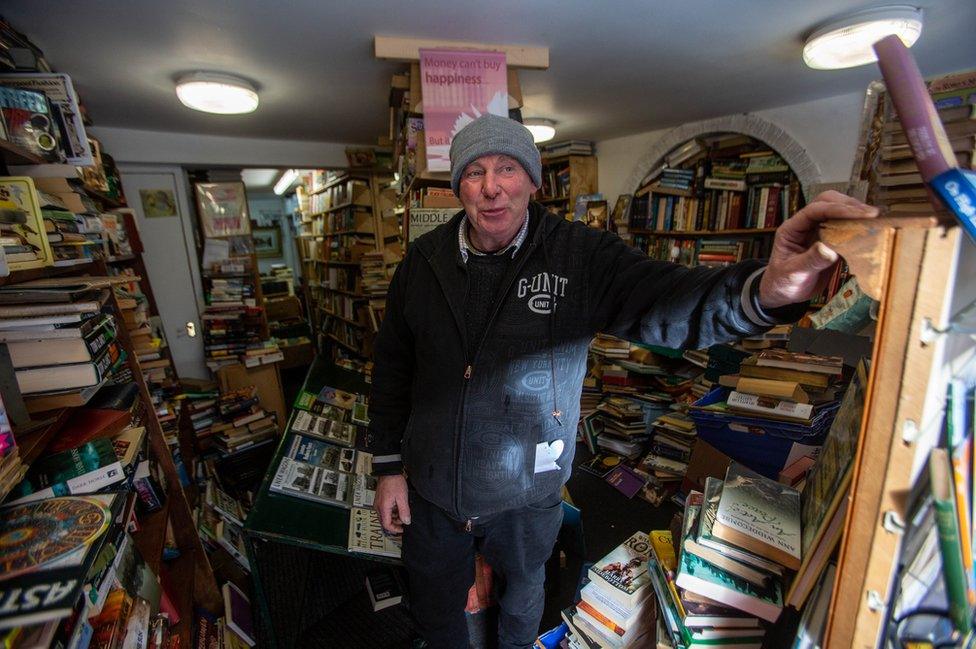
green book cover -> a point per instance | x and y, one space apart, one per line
701 577
953 571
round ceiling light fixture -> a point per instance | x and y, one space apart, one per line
212 92
846 42
542 129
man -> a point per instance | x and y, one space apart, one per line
481 356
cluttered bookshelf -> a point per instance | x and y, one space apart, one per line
90 432
866 541
349 246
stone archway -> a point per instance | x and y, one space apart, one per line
806 169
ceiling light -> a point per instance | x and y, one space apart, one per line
211 92
286 180
846 43
542 129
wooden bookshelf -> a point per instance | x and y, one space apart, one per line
724 186
345 217
564 179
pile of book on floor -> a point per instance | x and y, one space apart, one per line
614 609
241 422
632 416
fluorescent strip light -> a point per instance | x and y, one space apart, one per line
286 180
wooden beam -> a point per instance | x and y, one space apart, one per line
396 48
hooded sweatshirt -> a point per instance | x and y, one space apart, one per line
488 425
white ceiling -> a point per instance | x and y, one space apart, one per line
617 66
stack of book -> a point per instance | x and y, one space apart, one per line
233 321
200 412
614 609
243 423
74 238
61 345
566 147
262 353
895 182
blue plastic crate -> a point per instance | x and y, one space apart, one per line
762 445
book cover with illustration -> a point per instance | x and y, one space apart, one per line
622 574
759 515
366 534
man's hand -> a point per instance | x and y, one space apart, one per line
391 503
800 263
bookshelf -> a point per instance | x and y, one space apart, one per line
189 578
348 244
565 179
713 200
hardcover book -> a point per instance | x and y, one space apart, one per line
237 613
366 534
759 515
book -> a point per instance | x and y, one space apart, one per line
830 365
384 587
50 548
237 613
231 538
813 380
71 376
43 350
710 502
759 515
363 490
625 480
769 406
321 453
366 534
622 574
788 390
331 430
950 542
699 576
311 482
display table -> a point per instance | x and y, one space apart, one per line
309 590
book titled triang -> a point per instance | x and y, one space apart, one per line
759 515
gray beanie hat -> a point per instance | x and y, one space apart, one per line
493 134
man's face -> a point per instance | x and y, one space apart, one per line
495 191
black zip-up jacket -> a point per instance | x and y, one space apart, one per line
468 428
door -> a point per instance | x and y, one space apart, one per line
171 260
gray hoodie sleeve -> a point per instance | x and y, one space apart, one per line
668 304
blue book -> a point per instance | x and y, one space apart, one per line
957 189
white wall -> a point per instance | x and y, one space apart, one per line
828 129
137 146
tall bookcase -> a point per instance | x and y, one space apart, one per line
348 245
189 577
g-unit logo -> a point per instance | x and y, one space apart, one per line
541 290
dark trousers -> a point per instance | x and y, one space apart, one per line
439 556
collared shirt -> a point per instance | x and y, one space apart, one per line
467 248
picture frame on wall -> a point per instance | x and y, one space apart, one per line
267 241
223 209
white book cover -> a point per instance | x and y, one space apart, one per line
769 405
762 509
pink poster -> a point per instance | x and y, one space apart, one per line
458 86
